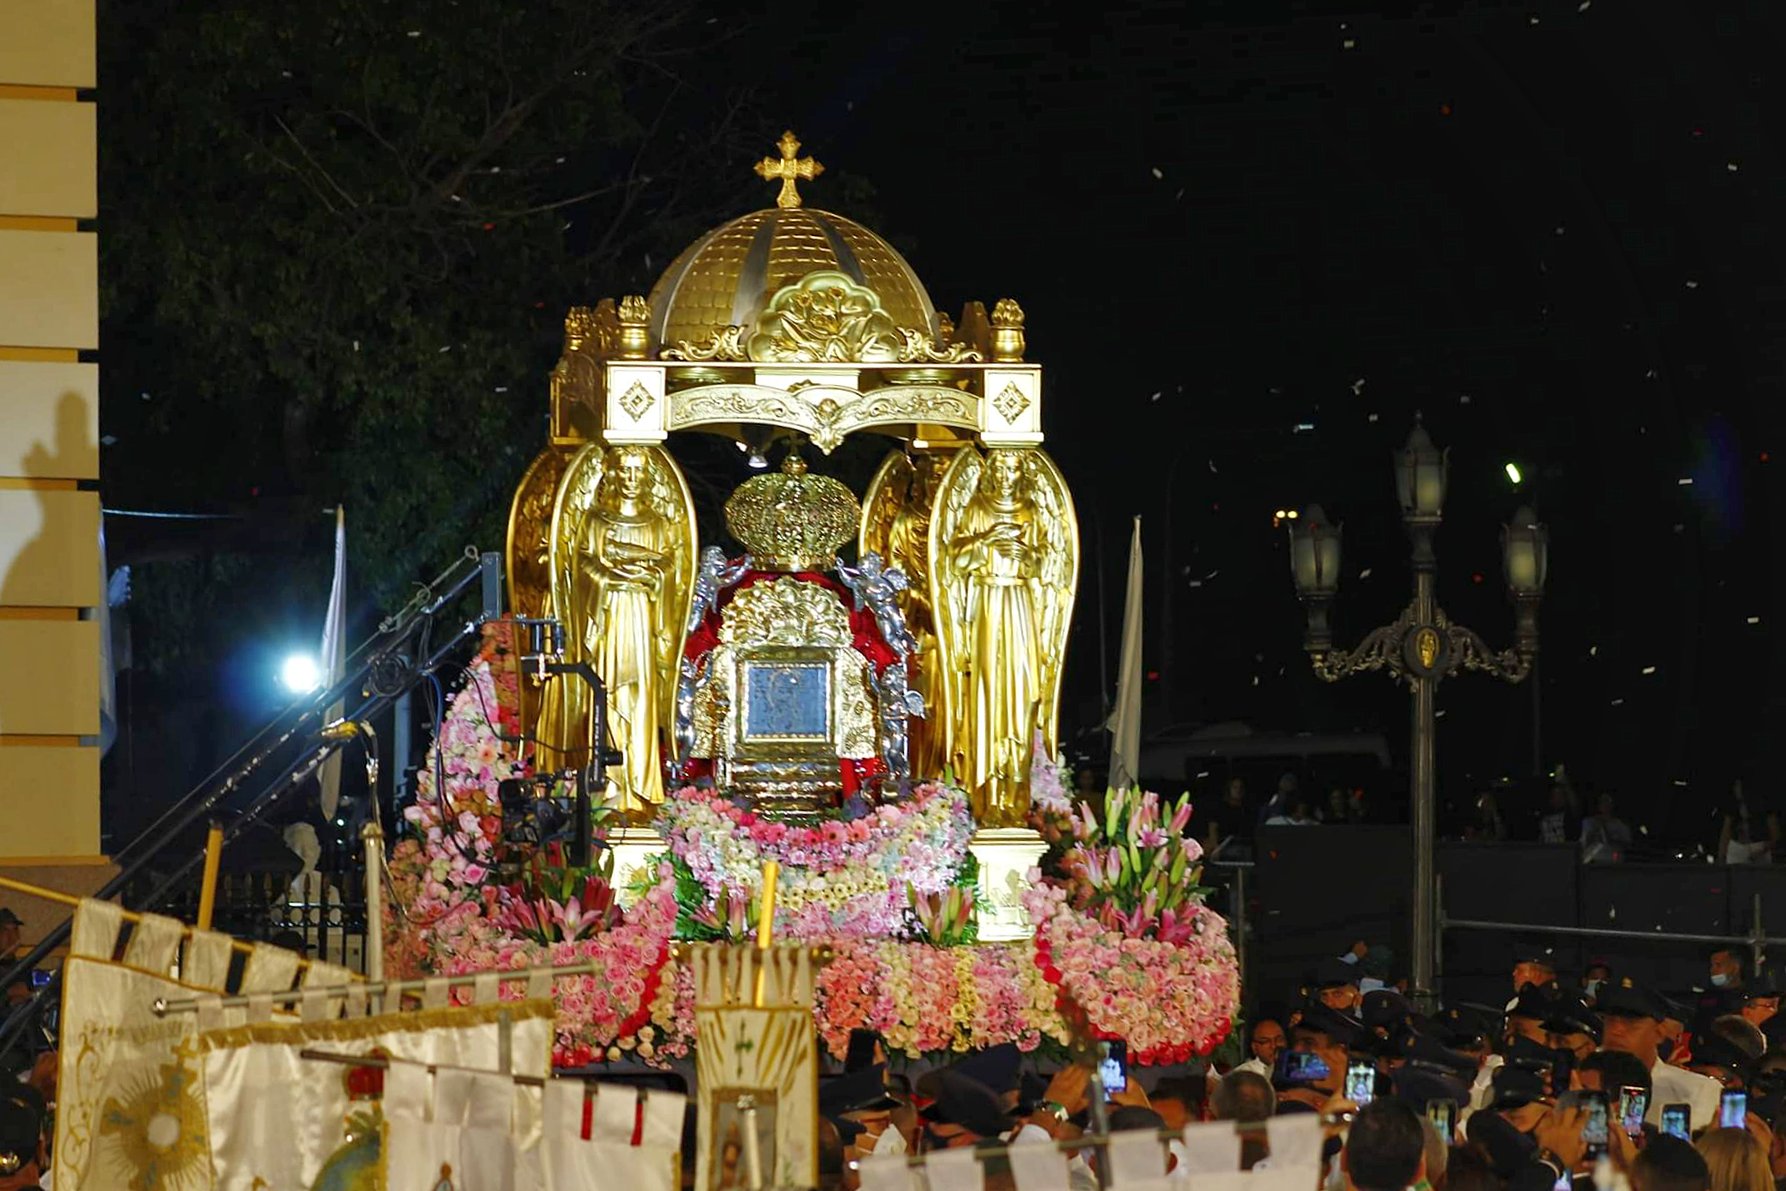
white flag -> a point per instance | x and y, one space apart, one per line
333 660
1125 720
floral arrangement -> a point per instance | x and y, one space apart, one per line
1134 867
840 879
923 999
1122 931
452 913
1170 1000
1124 946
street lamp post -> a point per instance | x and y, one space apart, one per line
1422 645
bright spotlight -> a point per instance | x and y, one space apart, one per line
300 674
1513 474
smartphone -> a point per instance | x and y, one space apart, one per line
41 977
1301 1067
1634 1104
1733 1110
1113 1068
1361 1081
1675 1118
1596 1131
1443 1115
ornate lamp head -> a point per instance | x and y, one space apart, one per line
791 520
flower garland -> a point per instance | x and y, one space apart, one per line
1168 999
840 879
923 999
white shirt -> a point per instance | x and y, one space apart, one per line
1677 1085
1256 1065
1026 1133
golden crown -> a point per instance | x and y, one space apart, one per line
792 521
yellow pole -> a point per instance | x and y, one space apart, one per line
207 889
766 921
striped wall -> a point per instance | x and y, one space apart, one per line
49 440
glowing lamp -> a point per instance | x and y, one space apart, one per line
1314 553
1525 553
300 674
1420 474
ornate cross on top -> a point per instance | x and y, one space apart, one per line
788 169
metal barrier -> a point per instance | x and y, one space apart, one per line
1756 940
326 908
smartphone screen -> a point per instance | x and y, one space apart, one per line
40 977
1675 1118
1301 1067
1733 1110
1634 1104
1595 1131
1361 1081
1113 1068
1443 1115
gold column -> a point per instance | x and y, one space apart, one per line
50 583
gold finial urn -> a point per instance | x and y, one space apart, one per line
792 520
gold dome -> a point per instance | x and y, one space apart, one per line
727 276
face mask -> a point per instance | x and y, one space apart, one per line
1593 988
891 1141
1720 980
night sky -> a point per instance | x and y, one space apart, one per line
1554 229
1253 238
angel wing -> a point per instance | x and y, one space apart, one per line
671 498
948 588
530 534
881 504
1057 580
577 491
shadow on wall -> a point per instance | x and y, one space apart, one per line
47 550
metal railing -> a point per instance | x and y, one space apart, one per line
1756 940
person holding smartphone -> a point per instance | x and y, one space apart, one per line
1633 1017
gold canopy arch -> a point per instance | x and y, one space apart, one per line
796 319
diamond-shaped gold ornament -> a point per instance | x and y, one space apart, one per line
1010 402
636 400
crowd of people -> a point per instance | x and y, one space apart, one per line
1599 1081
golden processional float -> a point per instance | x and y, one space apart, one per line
785 674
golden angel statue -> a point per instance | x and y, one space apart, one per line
896 525
1004 553
623 570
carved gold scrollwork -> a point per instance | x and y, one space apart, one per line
725 344
920 347
825 317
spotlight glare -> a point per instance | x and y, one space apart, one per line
300 674
1513 474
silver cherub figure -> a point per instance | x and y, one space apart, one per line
897 703
714 577
876 587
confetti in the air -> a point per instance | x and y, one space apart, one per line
1685 481
1358 386
1365 573
1648 670
1692 285
1372 418
1463 398
1731 166
1618 702
1593 651
1157 173
1155 397
1754 620
1212 467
